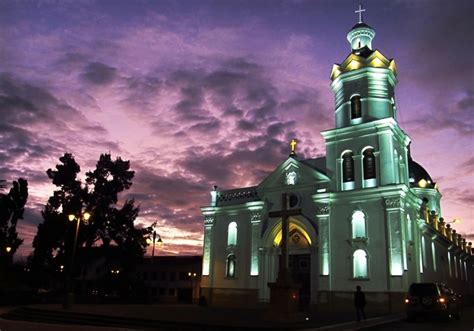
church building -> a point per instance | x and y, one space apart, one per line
370 214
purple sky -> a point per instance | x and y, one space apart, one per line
203 93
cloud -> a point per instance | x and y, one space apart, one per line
99 73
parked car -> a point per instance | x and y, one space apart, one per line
432 300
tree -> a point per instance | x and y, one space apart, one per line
109 223
12 208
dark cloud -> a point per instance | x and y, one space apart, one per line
443 32
467 102
99 73
232 112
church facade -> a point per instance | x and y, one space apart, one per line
370 215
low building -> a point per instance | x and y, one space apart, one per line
171 279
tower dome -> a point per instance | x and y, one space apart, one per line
361 36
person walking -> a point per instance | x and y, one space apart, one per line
359 303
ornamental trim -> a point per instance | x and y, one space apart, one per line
208 220
393 203
322 209
255 218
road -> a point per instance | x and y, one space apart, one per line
466 323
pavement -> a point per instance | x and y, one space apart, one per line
45 317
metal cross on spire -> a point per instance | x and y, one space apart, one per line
360 11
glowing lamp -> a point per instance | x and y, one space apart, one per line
86 216
407 301
71 217
422 183
8 249
159 242
442 300
149 241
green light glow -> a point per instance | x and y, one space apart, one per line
254 250
325 264
232 234
360 264
358 225
254 205
207 251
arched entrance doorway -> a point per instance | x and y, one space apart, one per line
302 260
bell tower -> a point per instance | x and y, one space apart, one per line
367 148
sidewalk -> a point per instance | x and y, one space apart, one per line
177 317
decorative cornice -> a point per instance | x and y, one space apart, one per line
209 220
393 203
323 209
255 218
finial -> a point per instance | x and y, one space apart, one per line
293 143
360 11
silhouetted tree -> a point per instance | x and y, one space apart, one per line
12 207
109 223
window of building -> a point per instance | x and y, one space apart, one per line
360 264
230 266
356 108
347 167
163 275
369 164
232 234
433 254
358 225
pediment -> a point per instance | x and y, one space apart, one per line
292 172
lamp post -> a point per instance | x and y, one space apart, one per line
154 242
192 275
69 299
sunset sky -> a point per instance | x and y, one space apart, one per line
203 93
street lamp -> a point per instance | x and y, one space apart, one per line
8 249
69 300
153 242
192 275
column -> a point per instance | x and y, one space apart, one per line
207 249
322 214
338 174
395 250
358 171
256 222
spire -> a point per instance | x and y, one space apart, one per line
361 34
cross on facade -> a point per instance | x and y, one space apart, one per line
360 11
284 213
293 143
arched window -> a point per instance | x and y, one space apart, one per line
232 234
360 264
356 108
369 164
347 167
358 225
230 266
